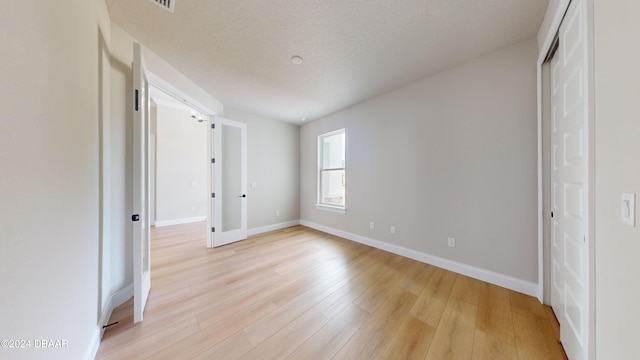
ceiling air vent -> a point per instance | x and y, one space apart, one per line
167 4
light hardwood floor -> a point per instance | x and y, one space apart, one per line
301 294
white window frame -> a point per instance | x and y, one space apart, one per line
319 204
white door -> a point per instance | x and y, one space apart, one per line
140 217
569 175
229 199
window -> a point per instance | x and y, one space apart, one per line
331 171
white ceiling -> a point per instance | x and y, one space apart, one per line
240 50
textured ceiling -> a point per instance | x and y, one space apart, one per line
240 50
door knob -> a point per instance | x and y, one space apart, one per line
243 195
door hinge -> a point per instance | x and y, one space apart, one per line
135 217
213 161
213 126
136 100
213 229
213 195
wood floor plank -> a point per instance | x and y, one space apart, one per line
526 303
126 332
211 314
231 349
315 256
466 289
143 346
454 336
433 299
285 341
307 281
216 333
325 343
494 313
412 341
553 321
298 293
487 347
534 337
418 277
369 341
343 297
271 323
376 294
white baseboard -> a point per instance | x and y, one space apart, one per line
161 223
264 229
116 299
92 351
502 280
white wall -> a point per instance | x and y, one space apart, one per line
452 155
273 163
122 49
105 151
181 166
617 130
49 188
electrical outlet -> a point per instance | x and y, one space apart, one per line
393 229
451 242
372 225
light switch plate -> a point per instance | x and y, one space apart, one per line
628 209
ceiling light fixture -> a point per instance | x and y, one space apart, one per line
296 59
198 116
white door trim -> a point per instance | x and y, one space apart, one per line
542 54
166 87
140 188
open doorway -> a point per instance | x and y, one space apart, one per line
178 154
179 166
171 175
171 158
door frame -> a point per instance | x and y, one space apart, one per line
140 189
545 44
161 84
169 89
